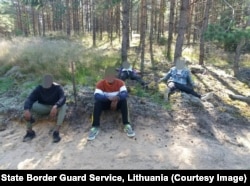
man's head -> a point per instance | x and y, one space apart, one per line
126 64
110 75
180 63
47 81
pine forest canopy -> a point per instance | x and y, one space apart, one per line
223 23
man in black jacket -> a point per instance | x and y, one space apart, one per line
127 72
47 98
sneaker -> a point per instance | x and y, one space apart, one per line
29 136
56 137
166 95
93 133
128 129
206 96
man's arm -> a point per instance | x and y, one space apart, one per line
167 76
99 95
29 102
189 79
62 98
32 98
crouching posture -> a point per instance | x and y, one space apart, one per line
110 93
46 99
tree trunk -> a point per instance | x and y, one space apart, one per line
25 21
241 43
117 21
43 21
34 21
171 28
19 15
68 23
151 36
237 56
161 19
183 23
143 33
203 30
94 23
125 29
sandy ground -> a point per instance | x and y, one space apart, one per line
157 145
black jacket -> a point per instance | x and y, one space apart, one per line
51 96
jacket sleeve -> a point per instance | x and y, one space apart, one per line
100 97
189 79
32 98
167 76
62 97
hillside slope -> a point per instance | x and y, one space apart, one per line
191 135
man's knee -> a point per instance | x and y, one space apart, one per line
63 109
123 76
98 103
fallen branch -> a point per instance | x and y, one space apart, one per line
240 97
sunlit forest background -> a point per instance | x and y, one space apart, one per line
85 36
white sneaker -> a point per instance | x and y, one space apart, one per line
207 96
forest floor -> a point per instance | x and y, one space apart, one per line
191 134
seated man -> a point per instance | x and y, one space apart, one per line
179 78
110 93
127 72
47 98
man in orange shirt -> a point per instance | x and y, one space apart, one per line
110 93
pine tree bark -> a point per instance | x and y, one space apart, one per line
183 23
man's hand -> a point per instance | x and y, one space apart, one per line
160 80
27 115
113 105
114 100
53 111
171 85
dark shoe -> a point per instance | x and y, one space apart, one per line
29 136
32 120
56 137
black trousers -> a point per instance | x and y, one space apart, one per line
184 88
131 75
99 106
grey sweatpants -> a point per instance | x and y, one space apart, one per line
42 109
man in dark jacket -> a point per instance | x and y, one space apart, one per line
47 98
127 72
